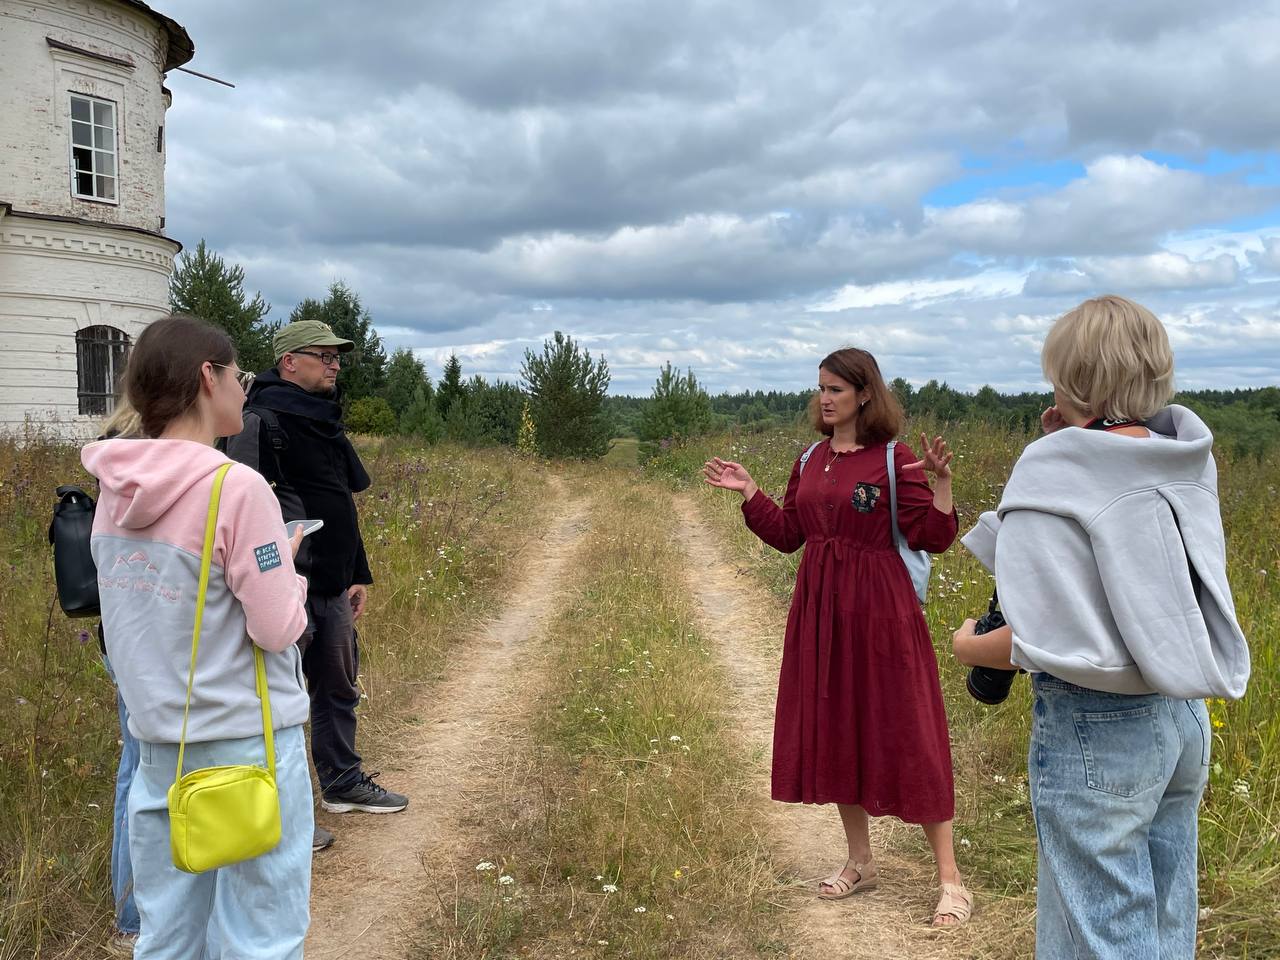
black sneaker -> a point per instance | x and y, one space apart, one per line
321 839
366 795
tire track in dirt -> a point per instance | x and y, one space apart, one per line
745 626
370 890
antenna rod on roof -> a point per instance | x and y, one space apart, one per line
205 76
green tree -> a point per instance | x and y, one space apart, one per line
677 410
204 286
566 391
527 440
364 369
371 415
406 375
422 419
497 406
451 387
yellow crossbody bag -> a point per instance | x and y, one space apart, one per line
222 815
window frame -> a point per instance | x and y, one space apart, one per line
113 345
94 172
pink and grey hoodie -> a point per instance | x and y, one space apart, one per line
148 534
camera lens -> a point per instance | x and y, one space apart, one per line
989 685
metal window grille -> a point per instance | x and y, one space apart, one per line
100 356
93 149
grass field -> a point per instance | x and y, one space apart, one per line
1240 819
441 526
628 829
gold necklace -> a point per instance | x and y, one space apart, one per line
838 454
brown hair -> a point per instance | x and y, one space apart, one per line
881 418
162 378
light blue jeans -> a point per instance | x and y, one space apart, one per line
255 910
121 866
1116 783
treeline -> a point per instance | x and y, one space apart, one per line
561 408
1247 421
556 410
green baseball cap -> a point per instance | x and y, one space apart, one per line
307 333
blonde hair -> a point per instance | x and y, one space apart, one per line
124 420
1110 357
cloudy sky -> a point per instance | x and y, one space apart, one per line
740 187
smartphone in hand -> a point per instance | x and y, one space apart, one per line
307 526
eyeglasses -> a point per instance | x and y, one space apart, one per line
326 358
243 377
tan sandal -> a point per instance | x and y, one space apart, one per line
868 878
956 902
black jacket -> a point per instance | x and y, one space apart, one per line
314 474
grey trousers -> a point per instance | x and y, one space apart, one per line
331 663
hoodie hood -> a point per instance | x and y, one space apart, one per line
1078 472
147 477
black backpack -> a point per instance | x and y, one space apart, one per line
73 568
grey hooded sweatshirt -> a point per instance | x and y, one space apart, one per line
1110 562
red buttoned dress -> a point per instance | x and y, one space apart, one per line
860 717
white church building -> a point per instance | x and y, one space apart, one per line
84 260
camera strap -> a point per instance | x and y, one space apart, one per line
1100 423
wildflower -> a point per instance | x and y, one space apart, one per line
673 738
610 888
1240 788
670 916
639 910
599 876
603 943
484 866
999 779
506 879
964 842
677 874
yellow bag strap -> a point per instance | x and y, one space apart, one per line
260 668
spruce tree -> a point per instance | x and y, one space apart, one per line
204 286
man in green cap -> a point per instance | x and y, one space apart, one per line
293 435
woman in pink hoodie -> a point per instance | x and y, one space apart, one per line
148 537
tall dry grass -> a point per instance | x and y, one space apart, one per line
1240 818
442 526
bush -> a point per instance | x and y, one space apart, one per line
372 415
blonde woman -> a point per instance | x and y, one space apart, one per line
1110 562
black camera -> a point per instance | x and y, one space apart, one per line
989 684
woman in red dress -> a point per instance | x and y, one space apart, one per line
860 721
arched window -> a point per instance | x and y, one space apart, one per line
100 355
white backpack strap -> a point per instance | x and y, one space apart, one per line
898 538
804 457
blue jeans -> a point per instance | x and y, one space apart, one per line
121 866
1116 783
256 909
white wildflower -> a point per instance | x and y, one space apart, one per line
506 879
484 866
638 910
610 888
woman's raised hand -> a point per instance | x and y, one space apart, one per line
727 475
936 458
